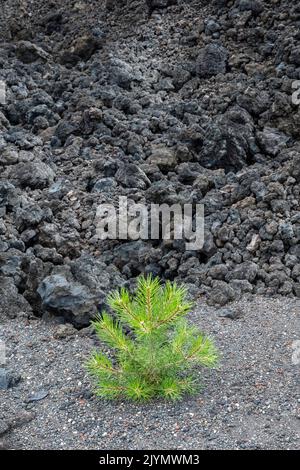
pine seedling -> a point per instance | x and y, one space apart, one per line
160 357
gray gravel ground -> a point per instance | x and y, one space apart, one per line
252 402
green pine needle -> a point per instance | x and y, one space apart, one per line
161 358
138 389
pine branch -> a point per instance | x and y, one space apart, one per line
203 351
100 364
147 295
121 303
112 333
173 304
109 390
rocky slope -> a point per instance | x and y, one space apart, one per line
181 102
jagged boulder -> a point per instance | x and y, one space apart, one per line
11 302
68 299
212 60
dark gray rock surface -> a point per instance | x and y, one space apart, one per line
191 104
